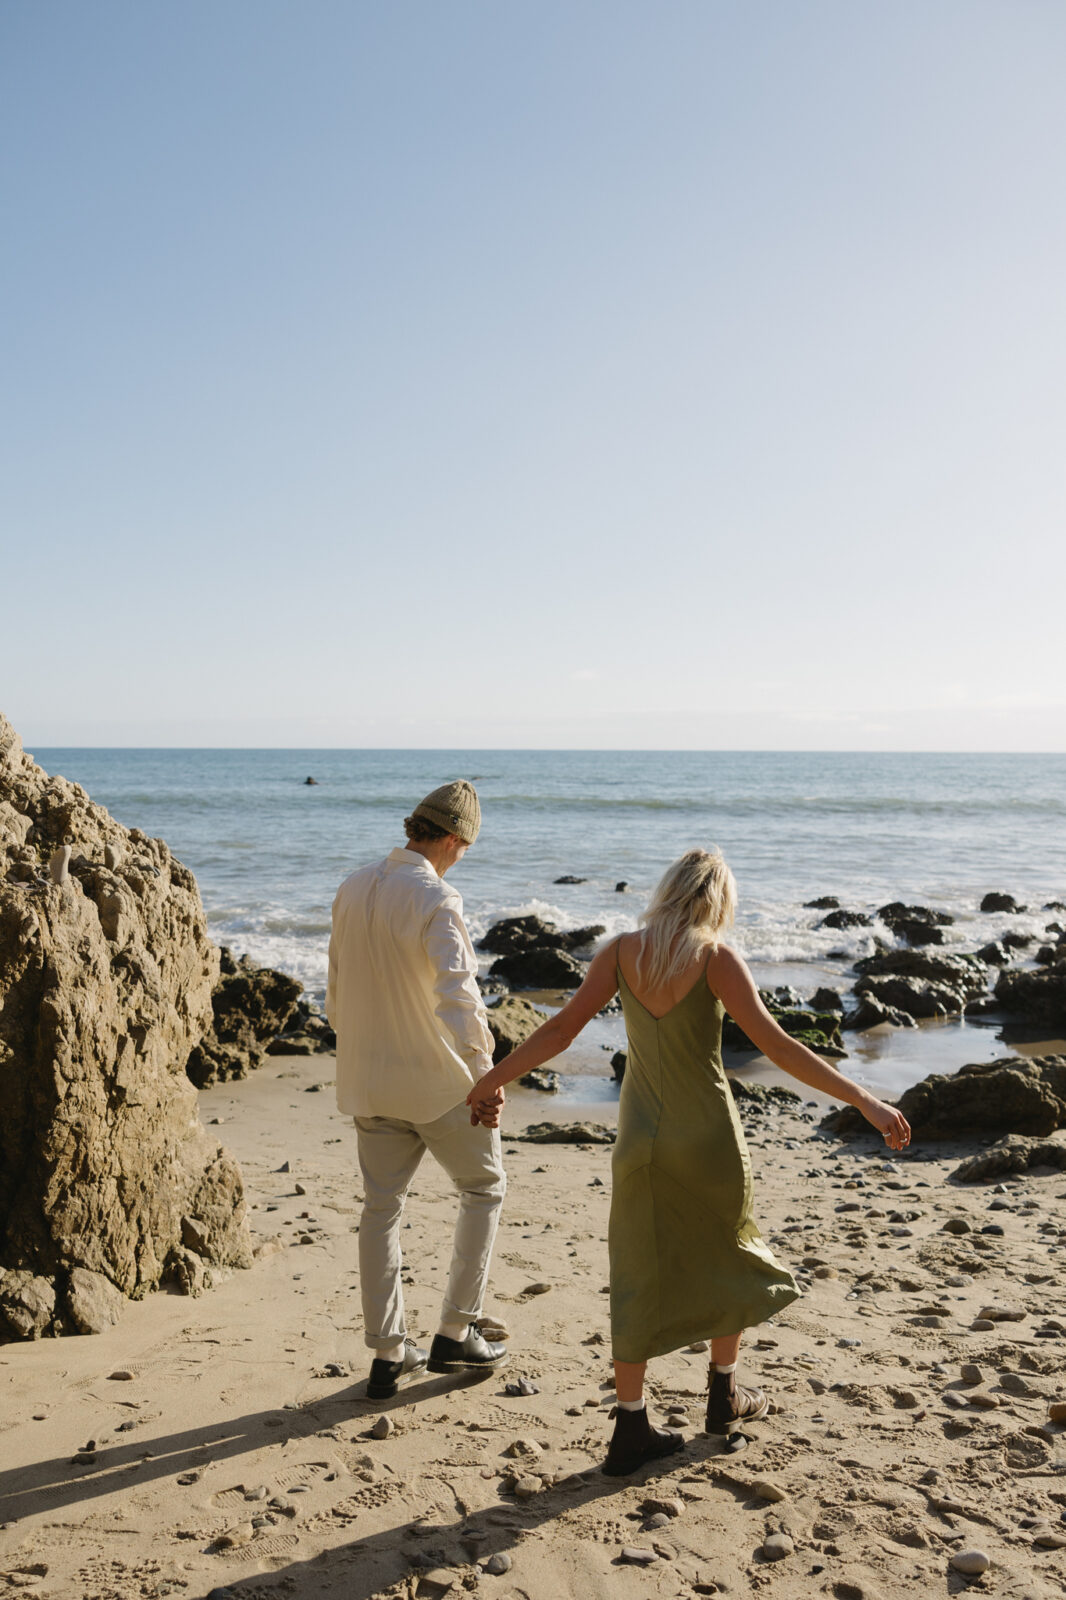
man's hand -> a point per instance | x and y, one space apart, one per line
485 1109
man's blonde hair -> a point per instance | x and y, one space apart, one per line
695 899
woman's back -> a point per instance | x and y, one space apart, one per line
661 998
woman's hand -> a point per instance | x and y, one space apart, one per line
486 1102
888 1121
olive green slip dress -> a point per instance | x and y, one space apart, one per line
687 1261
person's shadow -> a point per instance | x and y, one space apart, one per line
360 1568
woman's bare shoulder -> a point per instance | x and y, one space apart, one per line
724 964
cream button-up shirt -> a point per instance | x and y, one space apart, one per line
402 997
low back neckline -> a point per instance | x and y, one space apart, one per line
701 980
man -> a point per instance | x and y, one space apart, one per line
412 1040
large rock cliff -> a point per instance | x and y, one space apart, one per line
108 1180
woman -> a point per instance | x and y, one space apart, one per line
687 1261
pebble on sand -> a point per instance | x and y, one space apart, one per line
382 1427
971 1563
777 1547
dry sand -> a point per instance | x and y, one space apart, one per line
224 1456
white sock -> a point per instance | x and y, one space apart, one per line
454 1330
718 1367
631 1405
391 1352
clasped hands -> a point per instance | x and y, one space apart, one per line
486 1107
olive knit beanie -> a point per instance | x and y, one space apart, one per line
453 807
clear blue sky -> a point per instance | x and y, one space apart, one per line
557 372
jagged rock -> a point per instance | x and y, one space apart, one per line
542 1078
825 902
915 996
826 1000
1040 996
539 967
307 1033
27 1305
511 1022
965 973
818 1030
1015 1153
994 954
93 1302
517 935
105 986
567 1133
871 1013
1014 1094
1000 902
917 924
845 919
250 1007
762 1094
618 1065
568 877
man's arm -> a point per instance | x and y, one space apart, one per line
331 981
459 1005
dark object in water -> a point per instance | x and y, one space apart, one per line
313 781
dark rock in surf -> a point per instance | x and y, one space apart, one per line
994 954
540 967
618 1065
826 1000
825 902
916 996
1000 902
845 919
312 781
818 1030
962 972
898 916
513 935
1014 1094
569 878
250 1005
1039 996
621 888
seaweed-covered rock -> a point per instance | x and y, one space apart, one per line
762 1094
511 1022
1014 1094
1039 996
250 1006
539 967
1015 1153
106 973
826 999
818 1030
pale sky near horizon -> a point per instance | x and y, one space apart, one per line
569 373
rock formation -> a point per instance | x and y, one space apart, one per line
106 1174
1015 1153
511 1022
250 1006
1038 996
1012 1095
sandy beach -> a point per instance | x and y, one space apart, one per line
223 1445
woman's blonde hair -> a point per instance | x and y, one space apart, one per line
694 901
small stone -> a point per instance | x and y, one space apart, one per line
985 1401
261 1493
676 1420
698 1348
537 1288
777 1547
1002 1313
971 1563
982 1325
658 1519
848 1344
497 1564
438 1580
1048 1539
652 1505
299 1188
242 1534
187 1478
520 1386
636 1557
826 1272
527 1486
956 1225
736 1444
766 1489
528 1448
120 1375
1057 1411
383 1427
972 1373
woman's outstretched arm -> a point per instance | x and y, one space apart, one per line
734 985
558 1033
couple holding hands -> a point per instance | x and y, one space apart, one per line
414 1068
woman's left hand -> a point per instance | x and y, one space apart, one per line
888 1121
486 1103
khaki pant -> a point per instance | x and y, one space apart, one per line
389 1155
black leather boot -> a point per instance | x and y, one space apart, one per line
635 1442
729 1407
473 1354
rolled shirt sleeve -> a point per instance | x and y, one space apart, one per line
459 1005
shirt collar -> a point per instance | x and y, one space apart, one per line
412 858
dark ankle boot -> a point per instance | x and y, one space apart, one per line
635 1441
729 1406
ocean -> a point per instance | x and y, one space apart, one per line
269 850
